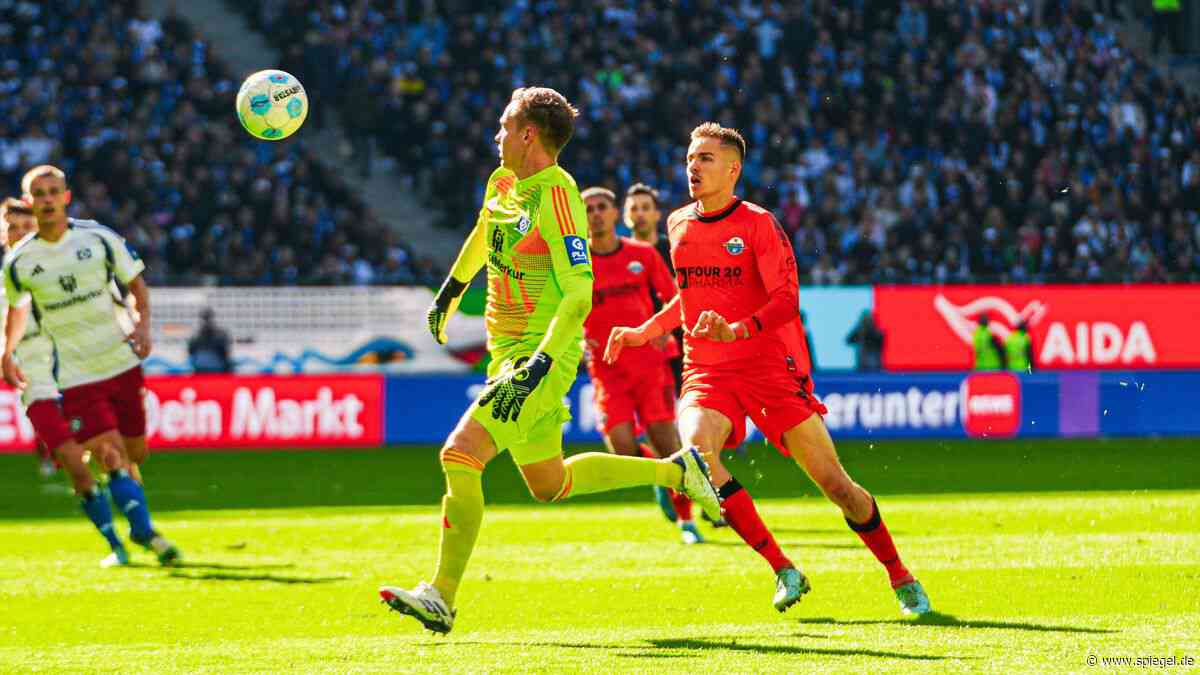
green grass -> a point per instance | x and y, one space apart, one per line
1037 554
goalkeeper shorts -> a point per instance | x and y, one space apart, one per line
536 434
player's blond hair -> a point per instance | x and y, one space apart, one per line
598 191
728 136
549 111
38 172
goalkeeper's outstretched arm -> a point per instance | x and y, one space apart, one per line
468 263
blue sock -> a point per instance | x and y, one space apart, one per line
97 509
127 494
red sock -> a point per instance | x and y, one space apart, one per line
743 518
683 505
877 538
645 451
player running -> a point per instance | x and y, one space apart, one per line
40 397
66 269
539 280
734 262
636 393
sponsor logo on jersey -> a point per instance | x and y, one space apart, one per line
68 283
576 249
635 267
991 405
694 276
524 224
735 246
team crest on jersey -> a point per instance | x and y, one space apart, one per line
83 254
735 246
498 240
68 283
524 224
635 267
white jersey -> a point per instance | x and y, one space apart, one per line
35 356
69 282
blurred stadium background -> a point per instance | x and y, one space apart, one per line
1037 161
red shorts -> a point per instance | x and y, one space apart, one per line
775 395
643 398
115 403
49 423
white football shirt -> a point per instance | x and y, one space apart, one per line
69 283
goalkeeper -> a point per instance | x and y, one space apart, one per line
539 293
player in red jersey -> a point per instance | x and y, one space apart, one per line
745 354
637 393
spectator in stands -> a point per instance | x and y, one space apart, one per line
867 339
209 348
914 118
140 112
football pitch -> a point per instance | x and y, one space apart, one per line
1039 555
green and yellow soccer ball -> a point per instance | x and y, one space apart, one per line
272 105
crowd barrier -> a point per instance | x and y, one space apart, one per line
226 412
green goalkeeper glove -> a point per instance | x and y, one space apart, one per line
510 390
445 303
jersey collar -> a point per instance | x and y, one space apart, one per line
715 215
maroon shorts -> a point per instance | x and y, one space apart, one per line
49 424
116 403
774 394
643 399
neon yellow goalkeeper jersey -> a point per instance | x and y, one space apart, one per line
536 240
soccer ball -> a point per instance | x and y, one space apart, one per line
272 105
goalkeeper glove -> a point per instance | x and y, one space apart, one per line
444 305
507 393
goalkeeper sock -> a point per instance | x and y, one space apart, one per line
590 472
100 513
129 497
877 538
743 518
462 514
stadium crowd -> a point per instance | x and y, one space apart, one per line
140 114
898 141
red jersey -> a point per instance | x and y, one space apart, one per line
738 262
621 291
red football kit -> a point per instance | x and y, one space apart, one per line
739 262
639 387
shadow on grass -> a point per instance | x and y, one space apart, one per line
674 648
703 644
789 544
226 566
940 619
240 576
